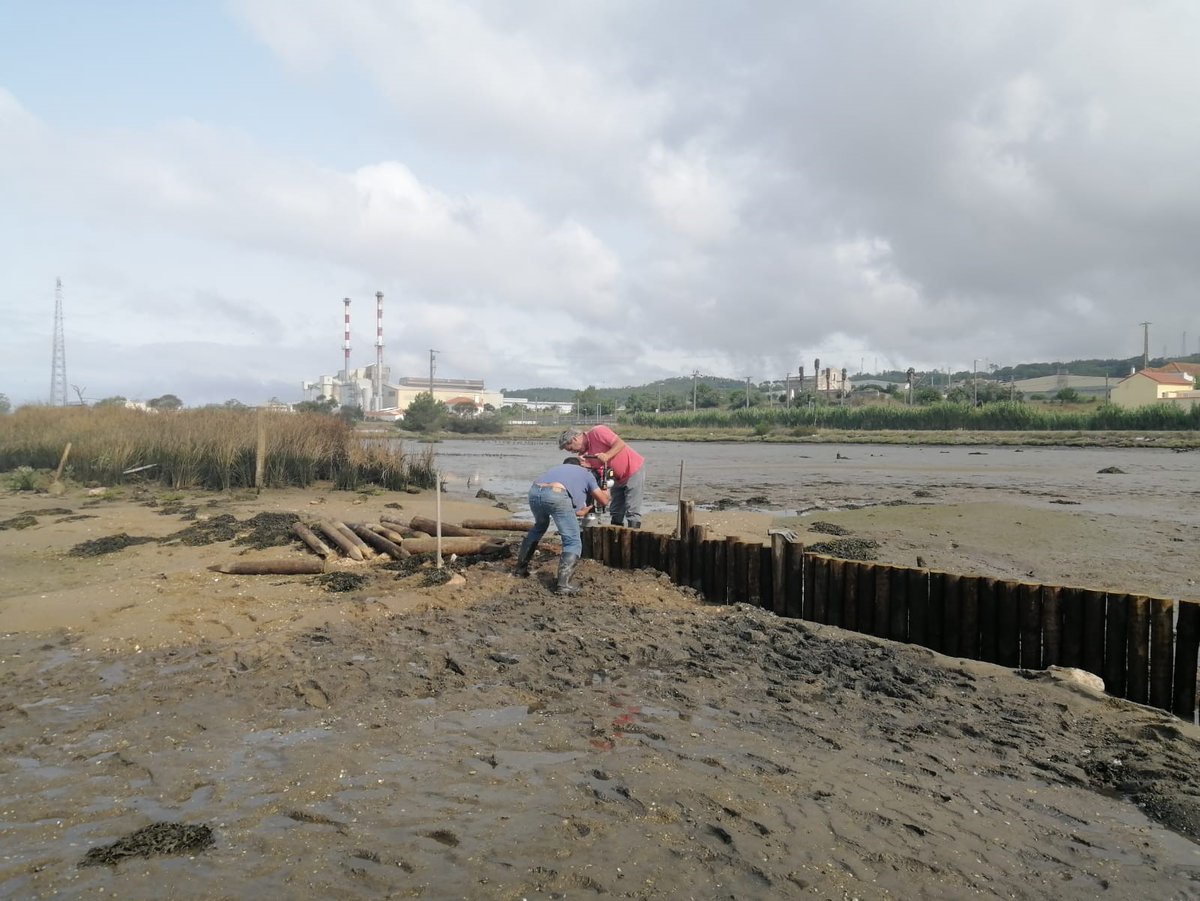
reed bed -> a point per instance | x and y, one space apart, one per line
208 449
1003 416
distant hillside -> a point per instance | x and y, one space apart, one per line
681 386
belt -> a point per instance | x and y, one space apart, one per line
553 486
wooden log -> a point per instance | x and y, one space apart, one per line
363 547
62 463
496 525
850 594
918 606
764 576
1137 654
968 617
1162 640
987 620
935 612
711 546
1030 620
951 614
663 553
378 542
1051 625
338 537
1008 623
753 574
820 598
389 533
898 621
614 546
1071 643
866 598
1095 608
835 605
779 545
1116 628
673 559
315 544
794 605
425 524
883 600
695 537
720 583
458 544
288 567
625 542
1187 648
589 549
739 589
731 543
402 527
687 517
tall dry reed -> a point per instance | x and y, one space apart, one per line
210 448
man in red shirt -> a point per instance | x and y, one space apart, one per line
600 447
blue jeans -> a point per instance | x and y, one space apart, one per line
626 503
547 504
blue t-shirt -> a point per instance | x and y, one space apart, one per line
578 481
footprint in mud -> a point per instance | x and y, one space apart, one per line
313 694
443 836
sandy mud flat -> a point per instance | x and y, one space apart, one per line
491 740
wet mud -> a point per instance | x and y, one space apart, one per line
626 742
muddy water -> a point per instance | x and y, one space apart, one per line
797 478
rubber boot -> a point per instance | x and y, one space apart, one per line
523 558
566 566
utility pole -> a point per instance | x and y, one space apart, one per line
432 368
747 392
975 383
1145 344
695 375
58 363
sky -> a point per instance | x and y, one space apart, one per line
601 193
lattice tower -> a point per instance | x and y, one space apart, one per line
58 363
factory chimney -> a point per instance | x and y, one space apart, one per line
346 351
377 400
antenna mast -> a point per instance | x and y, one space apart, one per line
58 365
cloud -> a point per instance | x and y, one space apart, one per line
607 193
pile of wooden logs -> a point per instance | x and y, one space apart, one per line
332 539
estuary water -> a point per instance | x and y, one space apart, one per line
1145 482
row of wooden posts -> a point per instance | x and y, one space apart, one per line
1144 648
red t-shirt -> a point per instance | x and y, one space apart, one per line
598 440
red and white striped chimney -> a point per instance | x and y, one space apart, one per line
346 345
377 400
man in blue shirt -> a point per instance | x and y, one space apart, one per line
562 493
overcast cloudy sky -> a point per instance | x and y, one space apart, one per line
606 192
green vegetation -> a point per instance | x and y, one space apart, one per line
943 416
206 448
424 414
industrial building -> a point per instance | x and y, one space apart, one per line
372 389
